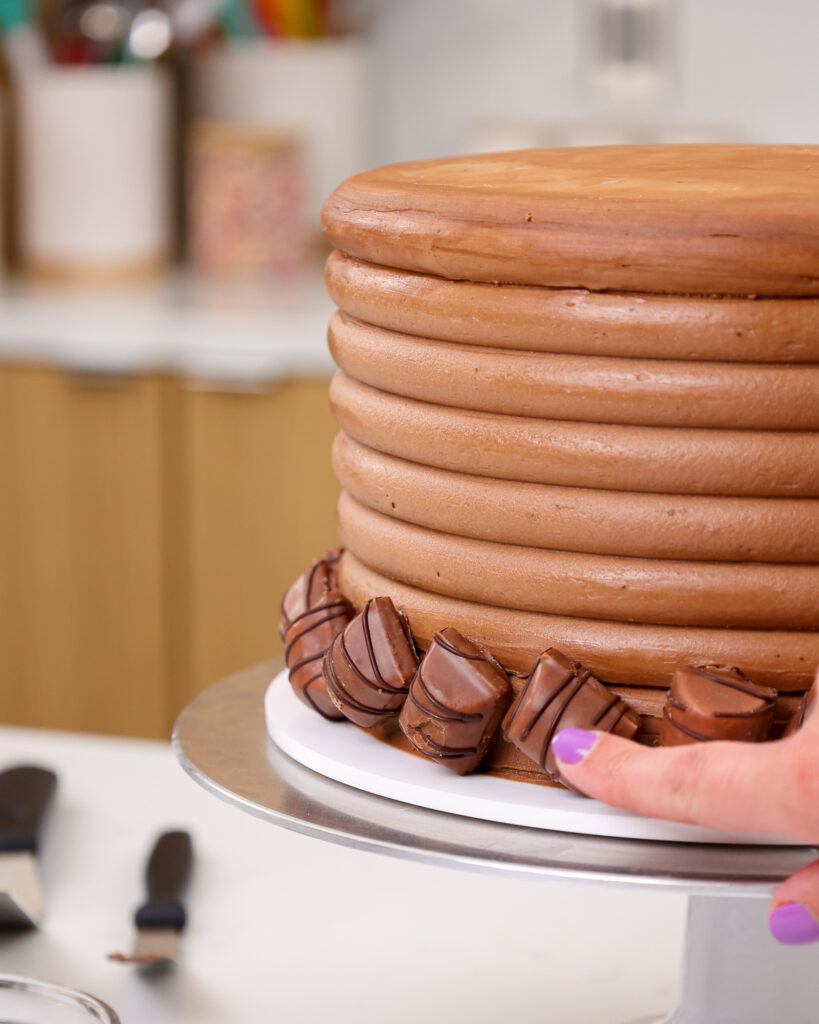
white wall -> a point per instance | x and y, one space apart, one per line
751 67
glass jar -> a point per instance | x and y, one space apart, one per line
26 1001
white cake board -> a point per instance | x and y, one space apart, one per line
344 753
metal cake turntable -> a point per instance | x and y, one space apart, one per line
733 971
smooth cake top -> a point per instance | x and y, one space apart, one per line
693 219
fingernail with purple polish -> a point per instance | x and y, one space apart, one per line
794 925
571 745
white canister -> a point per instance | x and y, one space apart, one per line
95 173
315 89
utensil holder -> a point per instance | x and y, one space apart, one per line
95 174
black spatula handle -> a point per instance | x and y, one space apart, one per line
25 795
169 869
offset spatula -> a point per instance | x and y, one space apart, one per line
25 795
162 918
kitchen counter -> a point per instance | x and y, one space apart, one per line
208 331
288 929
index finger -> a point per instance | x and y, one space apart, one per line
734 787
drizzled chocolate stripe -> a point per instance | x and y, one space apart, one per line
438 639
457 723
618 718
307 639
684 728
382 684
550 733
708 703
558 692
734 684
803 710
340 603
309 590
305 692
402 618
798 719
369 666
542 710
445 753
368 640
610 706
340 611
442 713
337 689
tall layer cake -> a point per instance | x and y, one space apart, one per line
578 394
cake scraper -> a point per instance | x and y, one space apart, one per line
162 918
25 795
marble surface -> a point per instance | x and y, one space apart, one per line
217 335
286 928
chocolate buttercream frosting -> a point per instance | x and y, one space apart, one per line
695 219
713 703
611 456
559 693
623 653
594 389
695 527
369 666
456 702
660 591
576 321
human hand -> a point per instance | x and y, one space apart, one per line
768 788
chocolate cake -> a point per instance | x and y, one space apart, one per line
578 394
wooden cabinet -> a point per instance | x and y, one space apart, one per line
147 530
254 499
82 594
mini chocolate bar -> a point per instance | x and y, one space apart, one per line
370 665
804 708
309 589
558 694
456 702
713 703
306 641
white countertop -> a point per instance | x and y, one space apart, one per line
291 930
221 333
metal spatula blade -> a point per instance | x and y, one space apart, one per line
21 905
25 796
162 918
154 947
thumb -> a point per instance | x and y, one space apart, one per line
794 919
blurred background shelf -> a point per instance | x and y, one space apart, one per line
165 475
238 334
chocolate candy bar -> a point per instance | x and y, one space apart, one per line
456 702
369 666
804 708
309 589
306 641
560 693
712 703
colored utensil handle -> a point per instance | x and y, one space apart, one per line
168 872
25 795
